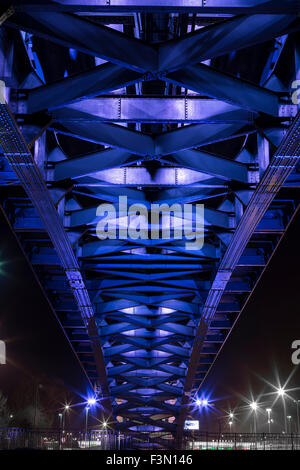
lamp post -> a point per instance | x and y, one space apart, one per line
254 407
268 410
298 422
104 427
90 402
281 393
87 408
231 421
289 420
66 410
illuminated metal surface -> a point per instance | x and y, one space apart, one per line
136 101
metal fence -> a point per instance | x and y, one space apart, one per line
44 439
244 441
58 439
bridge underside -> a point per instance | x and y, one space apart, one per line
161 102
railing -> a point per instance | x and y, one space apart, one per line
44 439
244 441
58 439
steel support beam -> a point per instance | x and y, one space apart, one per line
90 164
194 136
140 109
109 134
151 6
236 33
88 37
225 87
102 79
213 165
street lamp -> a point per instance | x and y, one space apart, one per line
298 422
281 393
91 401
254 407
66 410
60 419
268 410
87 408
289 418
231 419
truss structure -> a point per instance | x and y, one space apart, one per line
164 102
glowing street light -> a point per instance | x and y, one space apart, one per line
269 410
281 393
91 401
66 410
87 408
254 407
289 418
203 402
60 419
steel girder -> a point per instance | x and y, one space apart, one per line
214 7
146 317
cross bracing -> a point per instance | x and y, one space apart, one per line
168 102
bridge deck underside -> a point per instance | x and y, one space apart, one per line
161 106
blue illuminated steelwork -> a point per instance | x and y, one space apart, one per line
165 114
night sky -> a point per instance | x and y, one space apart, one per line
259 345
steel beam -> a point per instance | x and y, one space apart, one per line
88 37
213 165
109 134
105 166
193 136
236 33
225 87
90 164
151 6
102 79
141 109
